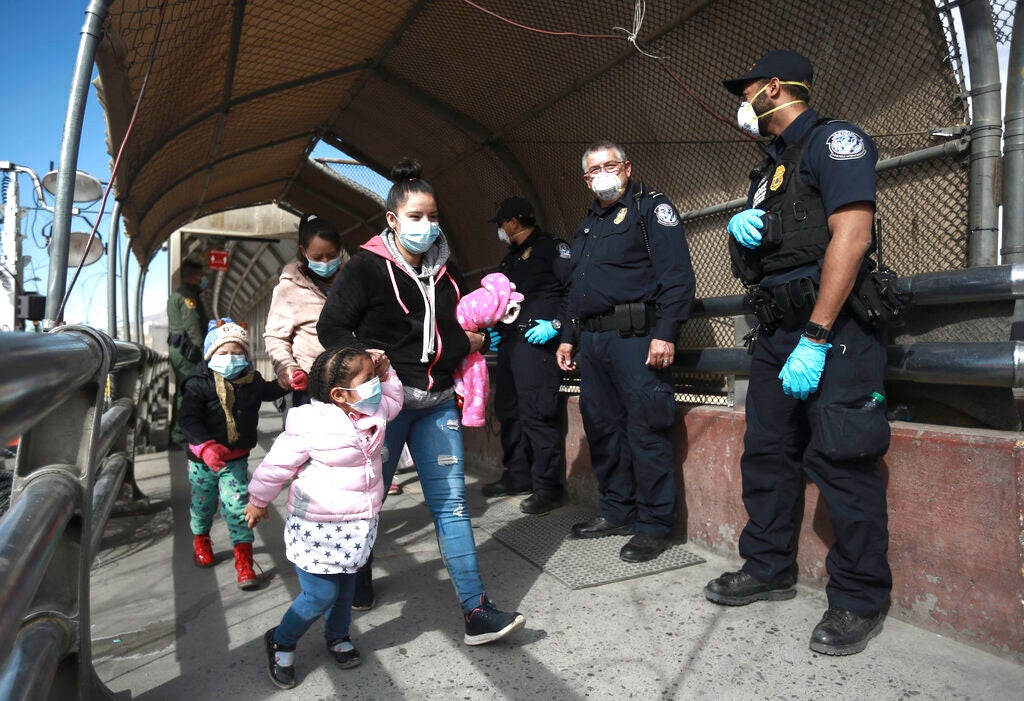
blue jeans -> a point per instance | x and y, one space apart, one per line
434 436
321 593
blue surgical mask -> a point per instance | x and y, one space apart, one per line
230 365
203 283
369 396
417 236
324 269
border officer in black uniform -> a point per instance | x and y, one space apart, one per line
814 404
186 328
526 392
631 289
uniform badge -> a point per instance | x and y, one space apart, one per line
666 215
777 178
526 253
190 303
563 249
620 216
845 145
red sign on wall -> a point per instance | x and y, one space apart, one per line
218 260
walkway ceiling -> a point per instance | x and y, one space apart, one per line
239 92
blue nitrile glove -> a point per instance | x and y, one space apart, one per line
803 368
746 227
541 332
495 339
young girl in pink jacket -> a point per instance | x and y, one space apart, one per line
331 449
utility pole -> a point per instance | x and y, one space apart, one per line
10 250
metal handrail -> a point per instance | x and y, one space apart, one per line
74 397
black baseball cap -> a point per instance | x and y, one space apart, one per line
513 208
781 64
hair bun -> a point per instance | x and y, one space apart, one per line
406 169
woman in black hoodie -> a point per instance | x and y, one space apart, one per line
398 295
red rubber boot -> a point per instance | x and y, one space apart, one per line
247 579
202 550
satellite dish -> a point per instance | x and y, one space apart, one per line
87 188
77 247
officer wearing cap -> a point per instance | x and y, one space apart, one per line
526 387
799 248
186 328
631 289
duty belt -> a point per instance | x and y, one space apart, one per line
788 305
632 319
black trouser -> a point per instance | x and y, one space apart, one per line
628 411
526 404
787 437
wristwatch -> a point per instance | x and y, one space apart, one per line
556 324
816 332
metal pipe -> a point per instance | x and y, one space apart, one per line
987 283
92 32
985 131
32 666
38 373
999 364
1013 151
128 354
112 236
112 423
126 319
29 534
139 333
950 148
104 494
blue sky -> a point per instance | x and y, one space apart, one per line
39 65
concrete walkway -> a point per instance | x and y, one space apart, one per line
163 629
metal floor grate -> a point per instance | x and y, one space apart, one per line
546 542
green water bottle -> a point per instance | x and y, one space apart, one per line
877 400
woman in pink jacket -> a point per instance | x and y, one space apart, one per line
331 449
290 336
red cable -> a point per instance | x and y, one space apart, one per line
703 105
117 162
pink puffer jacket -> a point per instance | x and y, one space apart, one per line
336 456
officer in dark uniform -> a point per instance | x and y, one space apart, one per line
526 387
631 289
186 327
814 404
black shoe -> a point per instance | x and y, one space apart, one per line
501 488
842 632
283 677
599 527
642 548
346 654
740 589
486 623
363 598
539 503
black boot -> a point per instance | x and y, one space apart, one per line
740 589
363 598
842 632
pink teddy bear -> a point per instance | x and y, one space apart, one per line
495 302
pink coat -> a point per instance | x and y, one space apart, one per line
496 301
336 456
290 335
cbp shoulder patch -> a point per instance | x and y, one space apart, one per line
666 215
190 303
563 249
845 145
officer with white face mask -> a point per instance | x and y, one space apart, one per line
814 406
631 288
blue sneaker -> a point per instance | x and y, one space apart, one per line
486 623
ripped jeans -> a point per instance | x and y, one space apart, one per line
434 436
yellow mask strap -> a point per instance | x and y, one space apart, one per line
805 86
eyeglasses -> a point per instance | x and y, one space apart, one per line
609 167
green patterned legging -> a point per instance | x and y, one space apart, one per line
231 483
